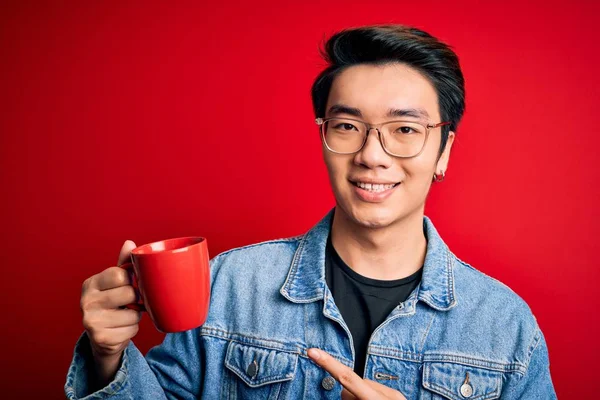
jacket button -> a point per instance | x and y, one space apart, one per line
252 369
328 383
466 390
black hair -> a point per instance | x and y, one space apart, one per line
384 44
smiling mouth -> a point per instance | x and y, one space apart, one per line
375 188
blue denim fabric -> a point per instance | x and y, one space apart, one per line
460 334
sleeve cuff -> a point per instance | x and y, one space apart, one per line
81 369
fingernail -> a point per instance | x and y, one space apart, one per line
314 354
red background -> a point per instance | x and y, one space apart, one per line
129 120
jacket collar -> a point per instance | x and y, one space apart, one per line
305 281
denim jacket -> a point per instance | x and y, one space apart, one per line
459 335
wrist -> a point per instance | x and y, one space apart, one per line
106 367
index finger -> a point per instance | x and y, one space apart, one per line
343 374
112 277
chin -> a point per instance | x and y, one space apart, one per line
373 217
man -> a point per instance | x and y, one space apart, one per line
370 303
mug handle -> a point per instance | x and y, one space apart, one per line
139 304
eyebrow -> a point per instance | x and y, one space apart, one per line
418 113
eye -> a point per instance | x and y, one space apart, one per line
406 130
345 126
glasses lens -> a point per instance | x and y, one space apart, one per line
343 135
404 138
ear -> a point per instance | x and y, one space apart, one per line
442 164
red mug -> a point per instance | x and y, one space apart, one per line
173 279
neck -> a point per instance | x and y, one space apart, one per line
386 253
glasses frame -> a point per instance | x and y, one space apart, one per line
321 123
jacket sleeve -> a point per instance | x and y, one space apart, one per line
171 370
536 383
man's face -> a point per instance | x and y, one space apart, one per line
374 91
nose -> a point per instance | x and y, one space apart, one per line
373 155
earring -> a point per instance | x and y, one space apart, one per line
437 178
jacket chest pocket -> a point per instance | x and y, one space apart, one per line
258 372
446 380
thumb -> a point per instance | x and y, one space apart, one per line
126 251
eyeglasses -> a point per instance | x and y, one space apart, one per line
404 139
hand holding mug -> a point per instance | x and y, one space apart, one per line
170 279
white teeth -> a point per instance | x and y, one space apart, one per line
374 187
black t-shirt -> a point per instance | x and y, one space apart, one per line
363 302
